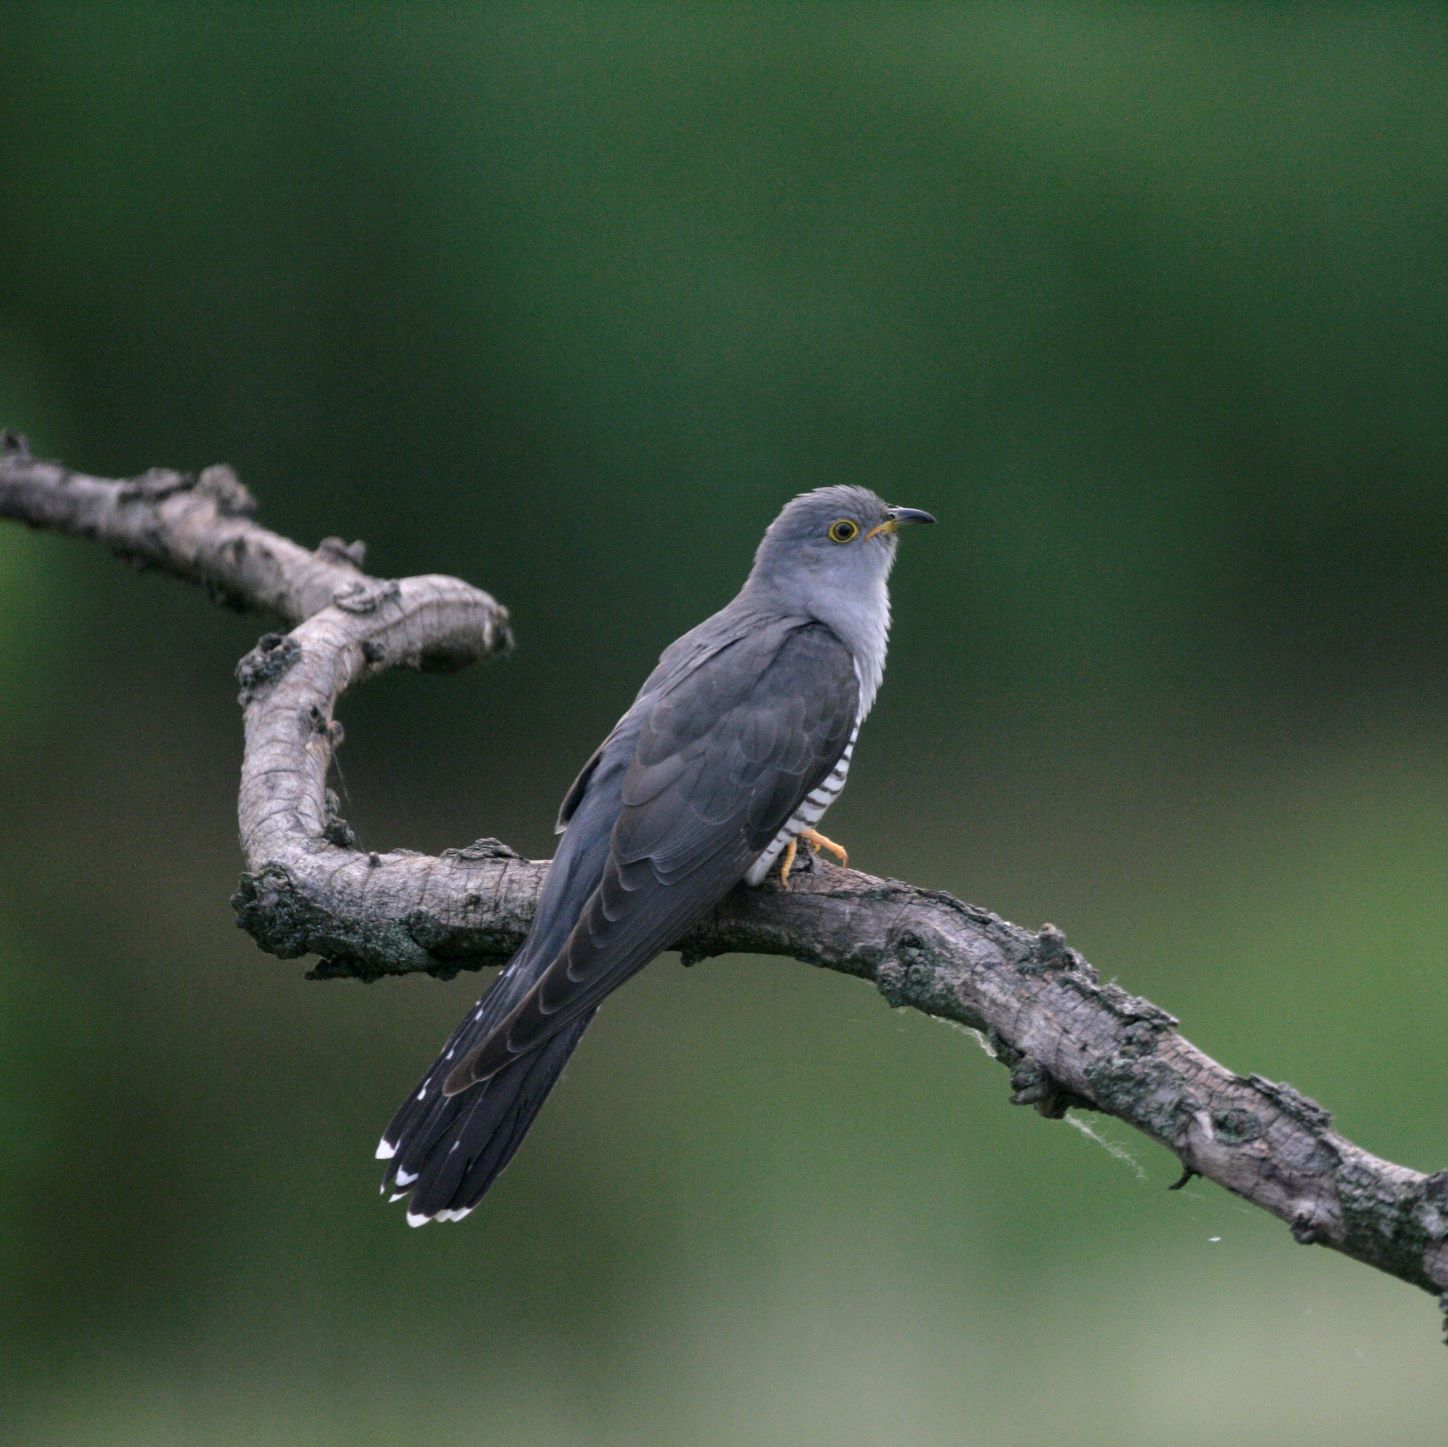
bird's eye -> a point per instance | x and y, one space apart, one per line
844 531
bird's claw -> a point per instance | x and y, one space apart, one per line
786 862
816 842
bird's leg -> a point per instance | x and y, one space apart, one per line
817 841
786 862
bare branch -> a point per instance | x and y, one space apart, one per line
199 528
1068 1039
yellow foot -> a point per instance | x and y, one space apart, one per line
817 841
786 862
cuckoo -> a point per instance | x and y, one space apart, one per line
737 743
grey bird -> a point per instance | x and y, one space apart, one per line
737 743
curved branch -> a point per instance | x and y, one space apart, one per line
1068 1039
199 528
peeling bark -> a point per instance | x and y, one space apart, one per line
1069 1040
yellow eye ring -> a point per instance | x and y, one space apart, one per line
843 530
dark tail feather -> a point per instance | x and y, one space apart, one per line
445 1151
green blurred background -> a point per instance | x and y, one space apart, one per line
1146 302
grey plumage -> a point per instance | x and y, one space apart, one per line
738 740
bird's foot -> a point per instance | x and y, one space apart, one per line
817 841
786 862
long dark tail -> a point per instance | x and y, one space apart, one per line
445 1151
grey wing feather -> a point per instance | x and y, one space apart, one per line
679 659
725 753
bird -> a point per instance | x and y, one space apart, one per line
736 745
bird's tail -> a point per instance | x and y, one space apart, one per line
445 1151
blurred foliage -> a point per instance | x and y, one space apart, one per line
1147 303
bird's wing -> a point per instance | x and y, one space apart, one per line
681 657
724 756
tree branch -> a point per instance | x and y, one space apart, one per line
1068 1039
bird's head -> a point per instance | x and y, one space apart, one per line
836 543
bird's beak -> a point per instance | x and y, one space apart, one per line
897 518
